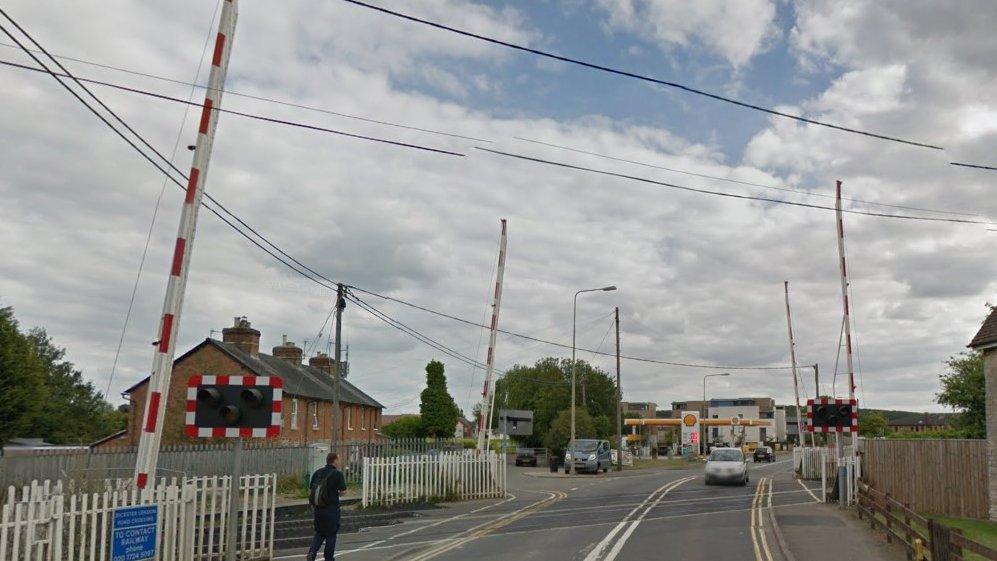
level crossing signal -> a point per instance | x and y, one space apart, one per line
832 415
234 406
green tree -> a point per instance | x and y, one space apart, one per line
438 409
545 389
963 390
556 439
69 397
406 426
872 423
21 380
44 395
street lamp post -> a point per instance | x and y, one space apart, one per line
702 431
574 315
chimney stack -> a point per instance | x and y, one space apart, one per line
325 363
288 351
243 336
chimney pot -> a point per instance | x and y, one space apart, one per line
288 351
243 336
324 363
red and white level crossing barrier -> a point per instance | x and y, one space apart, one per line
162 364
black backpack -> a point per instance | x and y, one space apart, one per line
320 496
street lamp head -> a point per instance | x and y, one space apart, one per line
726 374
608 288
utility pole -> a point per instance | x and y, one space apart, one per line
816 380
157 395
619 399
336 417
487 396
844 298
792 357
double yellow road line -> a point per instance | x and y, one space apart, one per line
489 527
763 493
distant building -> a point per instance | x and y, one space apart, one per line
927 423
639 409
306 411
743 408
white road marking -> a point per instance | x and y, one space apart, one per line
633 522
807 489
484 529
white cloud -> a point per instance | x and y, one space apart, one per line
700 277
736 31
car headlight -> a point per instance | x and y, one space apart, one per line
591 456
567 456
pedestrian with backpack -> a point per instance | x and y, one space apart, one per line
326 485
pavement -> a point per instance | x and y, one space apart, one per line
647 513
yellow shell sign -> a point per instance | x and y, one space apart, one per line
689 420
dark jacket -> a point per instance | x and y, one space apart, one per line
327 517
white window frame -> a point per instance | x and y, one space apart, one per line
363 419
349 418
315 416
294 414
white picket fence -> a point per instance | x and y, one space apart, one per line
816 464
809 462
49 521
461 475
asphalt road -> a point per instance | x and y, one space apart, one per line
650 513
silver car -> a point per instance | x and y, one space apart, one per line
727 465
587 454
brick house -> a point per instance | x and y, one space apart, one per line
308 390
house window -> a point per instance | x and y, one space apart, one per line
294 414
363 420
349 418
314 415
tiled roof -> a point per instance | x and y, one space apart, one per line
301 380
987 335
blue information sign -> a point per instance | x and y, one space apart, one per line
133 533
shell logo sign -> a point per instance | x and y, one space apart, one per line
690 428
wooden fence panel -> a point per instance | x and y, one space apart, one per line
944 477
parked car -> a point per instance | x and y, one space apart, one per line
726 465
526 457
587 455
764 454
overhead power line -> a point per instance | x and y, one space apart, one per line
742 182
261 241
228 92
155 211
239 113
642 77
723 194
555 343
413 332
976 166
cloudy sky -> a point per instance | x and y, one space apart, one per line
700 276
